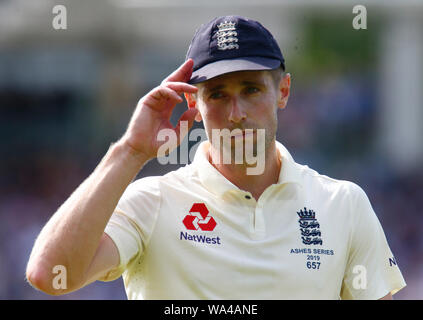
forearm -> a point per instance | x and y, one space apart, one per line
72 235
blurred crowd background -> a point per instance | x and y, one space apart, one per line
355 111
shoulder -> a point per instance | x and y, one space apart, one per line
145 184
321 184
155 183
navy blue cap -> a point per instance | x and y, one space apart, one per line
232 43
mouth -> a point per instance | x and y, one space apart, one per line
244 134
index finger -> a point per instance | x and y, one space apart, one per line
182 74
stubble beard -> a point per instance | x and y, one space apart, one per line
249 151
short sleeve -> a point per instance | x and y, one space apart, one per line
132 222
372 271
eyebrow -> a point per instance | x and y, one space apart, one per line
253 83
215 88
212 88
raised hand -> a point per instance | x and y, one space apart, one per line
154 110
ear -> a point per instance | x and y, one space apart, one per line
192 103
284 90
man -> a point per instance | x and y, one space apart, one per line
210 230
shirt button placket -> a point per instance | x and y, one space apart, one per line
259 225
257 220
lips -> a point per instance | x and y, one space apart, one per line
244 134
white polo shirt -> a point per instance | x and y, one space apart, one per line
192 234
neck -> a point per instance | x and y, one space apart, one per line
253 183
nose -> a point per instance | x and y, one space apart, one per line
236 114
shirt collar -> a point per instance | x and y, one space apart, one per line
290 170
215 182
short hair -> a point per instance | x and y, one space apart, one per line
277 75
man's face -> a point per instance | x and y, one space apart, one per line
241 100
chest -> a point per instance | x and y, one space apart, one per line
279 250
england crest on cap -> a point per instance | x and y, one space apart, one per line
227 36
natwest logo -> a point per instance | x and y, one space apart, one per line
198 218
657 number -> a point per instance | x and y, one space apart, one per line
313 265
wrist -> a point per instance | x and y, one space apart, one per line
137 157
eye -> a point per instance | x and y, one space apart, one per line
252 90
216 95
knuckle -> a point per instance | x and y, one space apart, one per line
163 89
